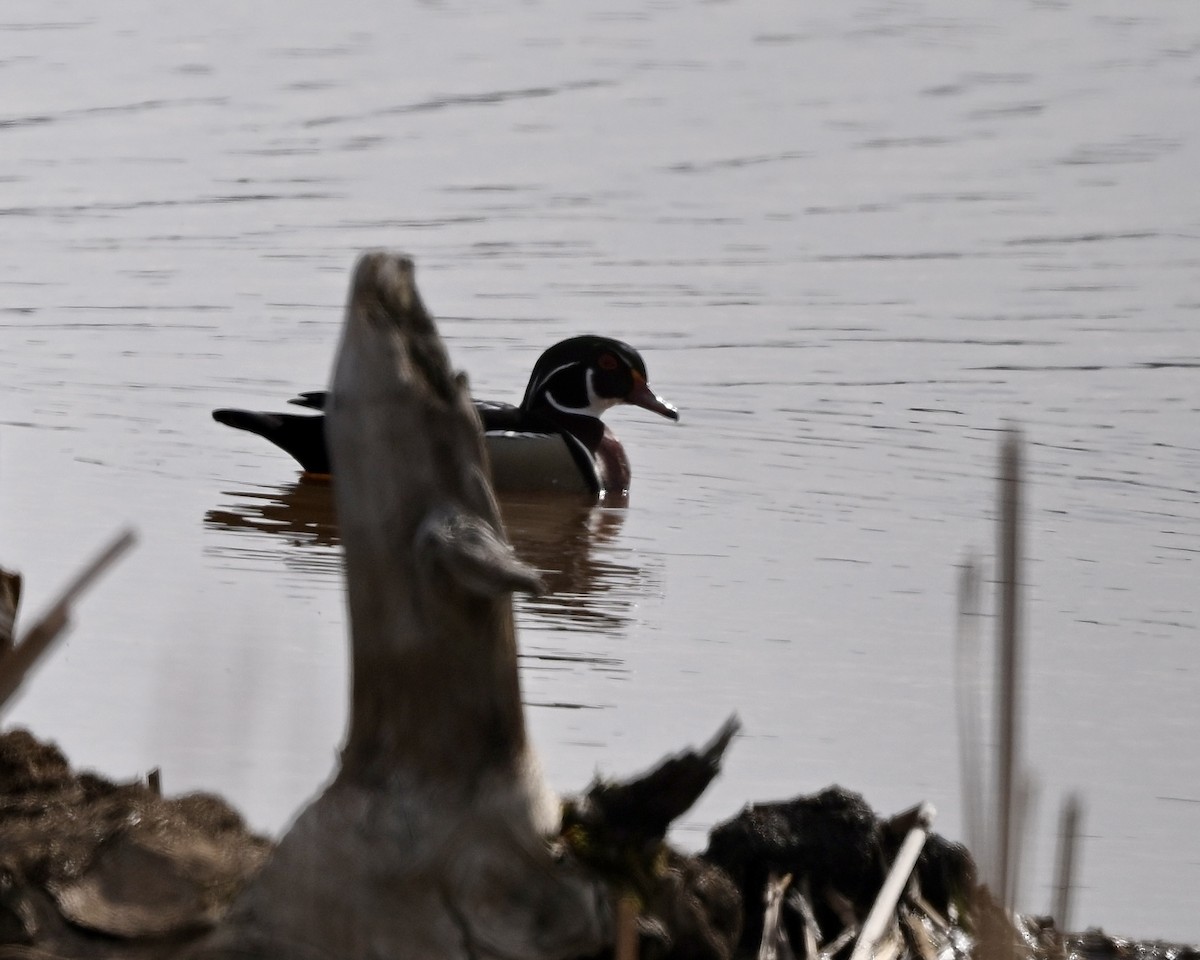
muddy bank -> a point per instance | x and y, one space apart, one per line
90 868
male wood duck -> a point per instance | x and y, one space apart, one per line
554 441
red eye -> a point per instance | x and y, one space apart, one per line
607 362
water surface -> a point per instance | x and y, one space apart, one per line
851 240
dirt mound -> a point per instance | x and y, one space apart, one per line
86 863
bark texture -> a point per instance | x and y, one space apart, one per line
430 841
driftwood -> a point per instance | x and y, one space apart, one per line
1005 854
430 841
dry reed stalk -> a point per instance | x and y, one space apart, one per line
1008 664
1064 872
969 683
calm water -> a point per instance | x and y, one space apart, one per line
851 239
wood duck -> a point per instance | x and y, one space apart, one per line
554 441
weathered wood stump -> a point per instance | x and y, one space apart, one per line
430 841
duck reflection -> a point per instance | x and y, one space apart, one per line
301 512
592 583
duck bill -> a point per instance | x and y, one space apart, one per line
642 396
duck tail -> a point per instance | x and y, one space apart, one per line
300 436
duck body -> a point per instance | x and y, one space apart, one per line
553 441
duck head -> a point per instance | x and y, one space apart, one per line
585 376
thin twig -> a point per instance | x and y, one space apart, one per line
917 935
834 947
17 663
798 900
775 944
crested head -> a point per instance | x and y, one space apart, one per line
586 375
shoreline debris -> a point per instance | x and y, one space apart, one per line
90 868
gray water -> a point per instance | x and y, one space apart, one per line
851 240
